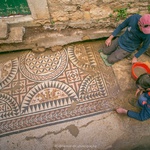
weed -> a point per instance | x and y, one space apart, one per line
110 15
121 13
129 5
149 8
52 22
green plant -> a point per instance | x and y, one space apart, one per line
138 12
149 8
129 5
121 13
110 15
52 22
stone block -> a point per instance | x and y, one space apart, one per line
3 31
15 35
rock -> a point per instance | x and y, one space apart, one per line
38 49
4 31
56 48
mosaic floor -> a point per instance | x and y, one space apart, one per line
50 88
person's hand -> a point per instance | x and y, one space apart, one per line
121 110
134 60
138 92
108 42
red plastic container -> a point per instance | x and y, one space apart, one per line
138 69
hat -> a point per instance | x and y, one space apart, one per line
145 23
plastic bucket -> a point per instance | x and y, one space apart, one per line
138 69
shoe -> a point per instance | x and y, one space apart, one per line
133 102
147 52
129 57
104 58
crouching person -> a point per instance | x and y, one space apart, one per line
143 85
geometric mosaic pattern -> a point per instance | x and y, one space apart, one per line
8 72
43 67
39 90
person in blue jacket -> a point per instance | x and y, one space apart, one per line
136 35
143 84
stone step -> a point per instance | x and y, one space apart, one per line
3 31
14 36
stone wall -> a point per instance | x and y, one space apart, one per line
60 22
96 13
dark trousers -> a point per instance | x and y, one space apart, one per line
114 52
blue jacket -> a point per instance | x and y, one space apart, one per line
132 38
144 114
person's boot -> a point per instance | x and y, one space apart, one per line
148 52
133 102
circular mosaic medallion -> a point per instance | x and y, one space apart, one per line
43 67
8 71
